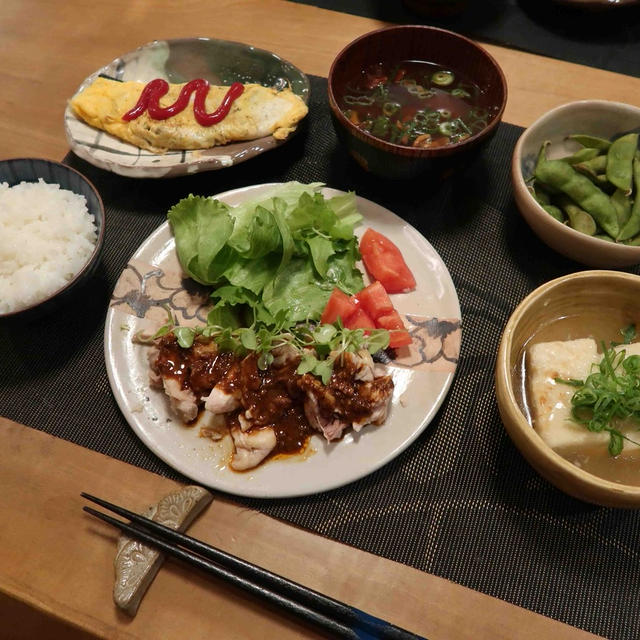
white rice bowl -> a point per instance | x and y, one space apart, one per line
46 236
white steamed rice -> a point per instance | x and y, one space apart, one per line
46 236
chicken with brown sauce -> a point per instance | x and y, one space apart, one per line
267 411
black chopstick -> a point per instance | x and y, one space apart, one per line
339 618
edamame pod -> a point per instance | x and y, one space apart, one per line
601 181
554 212
539 195
594 166
632 227
560 175
591 142
622 203
604 236
580 220
583 155
542 155
619 161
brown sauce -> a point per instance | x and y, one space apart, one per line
273 397
199 368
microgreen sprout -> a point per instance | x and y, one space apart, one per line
319 345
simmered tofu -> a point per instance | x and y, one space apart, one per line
550 401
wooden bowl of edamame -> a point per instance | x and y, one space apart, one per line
576 181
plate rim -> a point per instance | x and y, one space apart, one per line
257 491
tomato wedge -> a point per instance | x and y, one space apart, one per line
384 262
371 308
360 320
400 338
339 305
390 321
375 300
398 335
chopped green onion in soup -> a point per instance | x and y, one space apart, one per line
415 104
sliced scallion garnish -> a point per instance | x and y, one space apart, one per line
609 395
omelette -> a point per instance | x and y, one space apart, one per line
258 112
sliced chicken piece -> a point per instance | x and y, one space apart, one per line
202 349
213 425
361 363
182 401
283 355
364 365
155 379
330 428
245 421
377 416
379 370
252 447
378 396
221 401
353 396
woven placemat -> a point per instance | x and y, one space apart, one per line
460 502
607 39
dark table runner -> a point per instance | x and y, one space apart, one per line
460 502
607 39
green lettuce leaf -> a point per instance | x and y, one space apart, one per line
298 292
279 212
202 227
258 236
289 193
321 249
253 274
240 306
341 269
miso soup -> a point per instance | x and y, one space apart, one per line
416 104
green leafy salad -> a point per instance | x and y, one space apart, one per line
274 260
272 263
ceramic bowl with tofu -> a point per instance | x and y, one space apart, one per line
600 118
559 333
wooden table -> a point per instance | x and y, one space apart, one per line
56 572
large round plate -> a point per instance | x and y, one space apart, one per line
422 376
218 61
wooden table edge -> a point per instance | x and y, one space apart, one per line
55 459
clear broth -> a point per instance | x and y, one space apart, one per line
402 104
625 468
